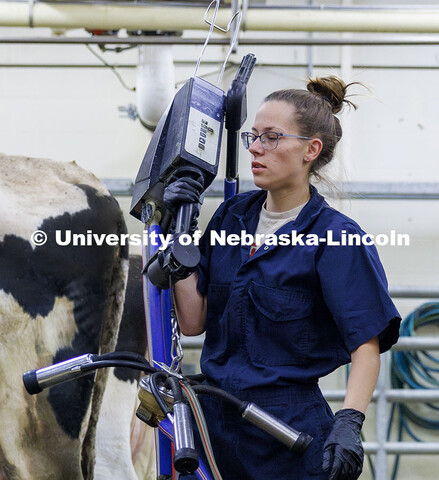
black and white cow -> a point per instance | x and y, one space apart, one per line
57 302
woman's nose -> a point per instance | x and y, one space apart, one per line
256 147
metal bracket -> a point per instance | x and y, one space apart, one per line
168 370
244 14
31 13
236 7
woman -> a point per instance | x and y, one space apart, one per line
279 317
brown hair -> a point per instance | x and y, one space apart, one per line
315 110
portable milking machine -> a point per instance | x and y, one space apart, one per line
186 142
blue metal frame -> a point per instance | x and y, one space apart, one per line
230 187
159 330
157 313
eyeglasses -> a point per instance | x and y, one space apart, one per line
269 140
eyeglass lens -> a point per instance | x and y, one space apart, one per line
269 140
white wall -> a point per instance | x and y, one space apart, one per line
59 102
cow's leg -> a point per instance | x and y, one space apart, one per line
143 450
113 449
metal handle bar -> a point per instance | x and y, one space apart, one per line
37 380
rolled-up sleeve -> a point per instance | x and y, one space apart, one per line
355 290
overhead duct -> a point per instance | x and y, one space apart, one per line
178 18
155 83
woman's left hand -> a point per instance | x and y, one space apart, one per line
343 450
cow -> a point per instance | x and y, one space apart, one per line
57 301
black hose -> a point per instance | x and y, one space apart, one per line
122 355
155 391
217 392
177 391
118 363
197 378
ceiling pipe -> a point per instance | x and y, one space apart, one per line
175 40
147 17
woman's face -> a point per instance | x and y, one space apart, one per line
287 166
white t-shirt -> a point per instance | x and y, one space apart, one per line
270 222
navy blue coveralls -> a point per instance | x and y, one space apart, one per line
276 323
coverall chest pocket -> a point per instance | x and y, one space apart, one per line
277 325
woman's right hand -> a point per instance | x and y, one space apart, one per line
183 190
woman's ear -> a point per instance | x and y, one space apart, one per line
314 148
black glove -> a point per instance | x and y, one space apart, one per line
183 190
343 449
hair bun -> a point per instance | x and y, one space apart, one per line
332 89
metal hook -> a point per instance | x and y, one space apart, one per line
224 30
237 15
216 2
